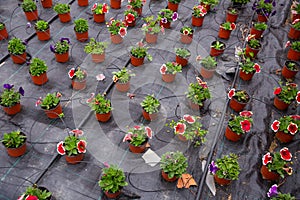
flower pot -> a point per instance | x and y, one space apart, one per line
151 38
78 85
32 16
293 54
194 106
224 34
150 117
182 61
216 52
138 149
13 109
3 34
74 159
62 58
168 78
165 25
83 2
46 3
186 39
116 39
16 152
261 18
182 137
139 10
295 16
123 87
54 112
115 4
246 77
279 104
82 37
98 58
65 17
251 50
231 17
112 195
103 117
257 33
294 33
206 73
284 137
268 175
43 35
287 73
99 18
19 59
236 106
39 80
197 21
221 181
232 136
166 178
136 61
173 6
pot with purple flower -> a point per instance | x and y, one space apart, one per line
274 194
166 16
61 50
10 99
264 9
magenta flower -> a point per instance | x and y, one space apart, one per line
77 132
164 20
277 91
175 16
273 191
128 137
213 167
246 113
89 100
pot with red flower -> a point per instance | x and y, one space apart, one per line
182 56
117 29
294 51
276 164
257 29
186 35
225 30
295 11
130 16
101 106
115 4
78 77
151 29
169 70
294 32
197 94
199 12
122 79
264 9
96 49
232 15
166 16
248 69
173 165
286 128
15 143
285 95
138 54
51 105
46 3
238 99
72 147
209 4
38 71
81 29
99 11
138 137
83 3
36 193
61 50
136 5
63 11
30 9
151 107
173 5
225 169
238 125
42 29
208 67
217 48
17 50
289 69
10 99
3 31
253 46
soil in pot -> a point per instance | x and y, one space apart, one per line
182 61
3 34
216 52
98 58
115 4
46 3
168 78
43 35
293 55
186 39
65 17
151 38
173 6
32 16
165 25
62 58
82 37
79 85
224 34
251 52
116 39
231 17
138 149
244 76
261 18
150 117
123 87
237 106
112 195
288 73
206 73
99 18
294 33
83 3
257 33
16 152
136 61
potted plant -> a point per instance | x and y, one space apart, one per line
208 67
182 56
138 137
209 4
30 9
99 11
169 70
197 93
42 29
10 99
101 106
264 9
61 50
186 35
38 71
225 30
151 29
122 79
130 17
286 128
294 51
15 143
3 31
83 3
63 11
189 128
239 3
257 29
72 147
117 29
46 3
173 165
81 29
138 54
151 107
136 5
112 181
115 4
78 77
295 11
17 50
96 49
275 195
238 125
285 95
294 32
226 169
34 192
199 12
289 69
232 15
173 5
247 69
51 105
217 48
238 99
166 16
253 46
276 164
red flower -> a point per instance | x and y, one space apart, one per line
246 113
81 146
163 69
257 67
298 97
94 7
202 83
246 125
30 197
285 154
277 91
129 18
137 127
186 32
122 32
231 93
287 44
275 125
180 128
89 100
60 148
77 132
105 8
71 73
148 131
189 119
295 117
232 26
292 128
127 137
267 158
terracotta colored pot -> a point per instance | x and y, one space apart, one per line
62 58
221 181
46 3
103 117
112 195
82 37
197 21
115 4
32 16
173 6
293 55
279 104
166 178
16 152
284 137
78 85
98 58
123 87
261 18
136 61
74 159
43 35
206 6
165 25
13 109
182 61
65 17
287 73
232 136
186 39
139 10
138 149
231 17
19 59
268 175
54 112
116 39
99 18
3 34
168 78
295 16
151 38
256 32
251 50
294 33
150 117
83 2
246 77
39 80
224 34
182 137
216 52
236 106
194 106
207 74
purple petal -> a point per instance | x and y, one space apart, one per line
52 48
213 168
21 91
8 86
164 20
273 191
65 39
174 16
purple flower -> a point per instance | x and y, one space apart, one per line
52 48
213 167
65 39
21 91
162 13
28 25
8 86
164 20
273 191
174 16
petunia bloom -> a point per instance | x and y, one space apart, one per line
8 86
292 128
21 91
60 148
272 191
81 146
148 132
122 32
180 128
275 125
231 93
285 154
267 158
163 69
213 167
245 125
175 16
298 97
246 113
71 73
277 91
189 119
257 68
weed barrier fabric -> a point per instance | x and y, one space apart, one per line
65 181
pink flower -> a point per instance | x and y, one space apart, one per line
100 77
285 154
162 29
140 44
77 132
127 137
81 146
232 26
130 18
267 158
38 102
122 32
292 128
71 73
257 67
31 197
106 164
89 100
189 119
277 91
137 127
128 7
298 97
231 93
198 58
296 21
275 125
295 117
94 7
180 128
250 37
246 125
202 83
163 69
287 44
60 148
148 132
130 95
246 113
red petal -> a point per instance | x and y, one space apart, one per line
292 128
246 125
60 148
30 197
277 91
275 125
81 146
246 113
148 131
189 119
298 97
77 132
285 154
122 32
180 128
137 127
71 73
267 158
231 93
163 69
257 67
